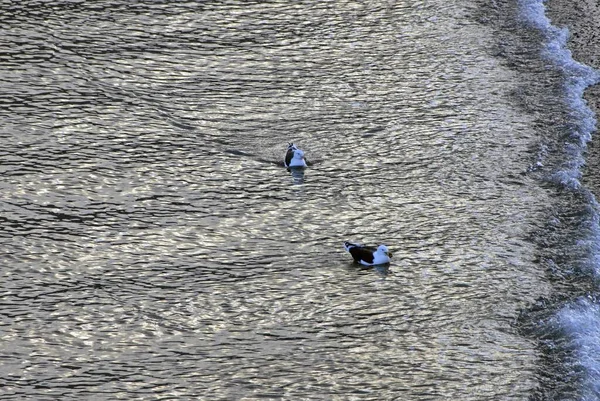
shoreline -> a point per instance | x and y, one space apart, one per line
582 18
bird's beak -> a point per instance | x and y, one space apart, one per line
390 254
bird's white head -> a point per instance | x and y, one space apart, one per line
384 249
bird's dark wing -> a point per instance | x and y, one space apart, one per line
362 253
289 155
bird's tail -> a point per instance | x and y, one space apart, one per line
349 245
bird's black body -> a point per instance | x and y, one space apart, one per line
360 252
289 155
368 255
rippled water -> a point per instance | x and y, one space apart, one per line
154 248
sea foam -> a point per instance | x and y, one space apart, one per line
577 77
579 321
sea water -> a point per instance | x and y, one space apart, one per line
154 247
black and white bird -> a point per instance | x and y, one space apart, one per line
294 157
368 255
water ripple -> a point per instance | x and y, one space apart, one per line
154 248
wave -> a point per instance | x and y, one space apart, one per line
577 78
576 325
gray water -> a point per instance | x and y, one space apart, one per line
153 247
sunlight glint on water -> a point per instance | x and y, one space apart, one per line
156 249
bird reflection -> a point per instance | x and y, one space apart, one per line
297 175
383 271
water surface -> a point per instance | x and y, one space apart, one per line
155 249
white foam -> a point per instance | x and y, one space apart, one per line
578 77
581 123
581 322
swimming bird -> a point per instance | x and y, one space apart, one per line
368 255
294 157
